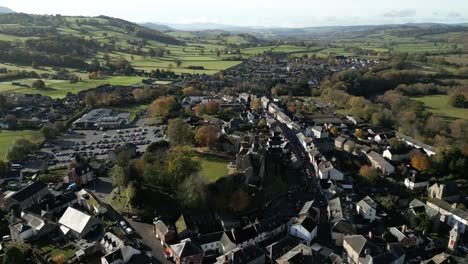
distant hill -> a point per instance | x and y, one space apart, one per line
160 27
5 10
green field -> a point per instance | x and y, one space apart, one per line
439 105
213 168
60 88
8 138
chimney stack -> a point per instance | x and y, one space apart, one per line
403 229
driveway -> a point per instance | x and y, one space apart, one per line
149 239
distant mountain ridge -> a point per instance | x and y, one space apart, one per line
5 10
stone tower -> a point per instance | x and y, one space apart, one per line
454 237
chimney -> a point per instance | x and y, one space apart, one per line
454 205
403 229
370 234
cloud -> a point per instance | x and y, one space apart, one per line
454 14
401 13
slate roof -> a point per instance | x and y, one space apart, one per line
307 223
448 207
366 203
245 234
186 248
28 191
209 238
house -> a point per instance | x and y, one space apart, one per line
165 233
31 226
270 228
29 195
447 191
416 182
77 224
324 145
244 237
430 150
449 213
308 210
53 204
322 254
339 141
380 163
326 171
367 208
299 254
349 146
382 137
12 172
304 228
116 252
185 228
340 229
394 155
187 251
217 242
360 250
405 237
80 175
246 255
91 203
319 132
279 247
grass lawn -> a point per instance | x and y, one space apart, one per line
213 168
132 108
8 138
59 88
439 105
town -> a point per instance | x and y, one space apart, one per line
111 186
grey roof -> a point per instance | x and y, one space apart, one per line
344 227
367 203
161 226
29 191
448 207
75 220
186 248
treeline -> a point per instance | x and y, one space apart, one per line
368 82
417 32
151 34
25 58
28 31
63 44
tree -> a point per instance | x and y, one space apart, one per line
179 132
206 136
3 168
191 91
262 123
191 192
212 107
200 110
420 161
178 62
59 259
334 130
162 106
139 94
360 133
48 132
420 222
368 173
255 104
458 100
240 200
131 194
38 84
14 255
119 176
91 100
59 127
19 150
181 163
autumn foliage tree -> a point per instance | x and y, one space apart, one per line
360 133
255 104
420 161
191 91
368 173
162 106
212 107
206 136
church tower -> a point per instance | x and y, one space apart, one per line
454 237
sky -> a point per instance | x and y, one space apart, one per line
261 13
